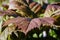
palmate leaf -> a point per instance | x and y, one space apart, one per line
26 24
23 10
51 9
20 22
37 22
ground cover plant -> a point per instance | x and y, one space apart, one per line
29 19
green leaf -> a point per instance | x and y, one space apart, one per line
52 33
35 35
9 38
40 35
41 15
46 1
52 1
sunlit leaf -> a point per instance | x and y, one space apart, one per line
52 33
35 35
40 35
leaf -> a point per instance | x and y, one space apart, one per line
6 32
52 33
20 22
5 7
40 35
53 1
37 22
35 35
23 10
26 24
48 21
46 1
50 10
41 1
16 4
9 37
56 14
35 7
8 13
1 22
41 15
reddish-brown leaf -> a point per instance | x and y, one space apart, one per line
8 12
20 22
37 22
50 10
25 25
47 21
35 7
